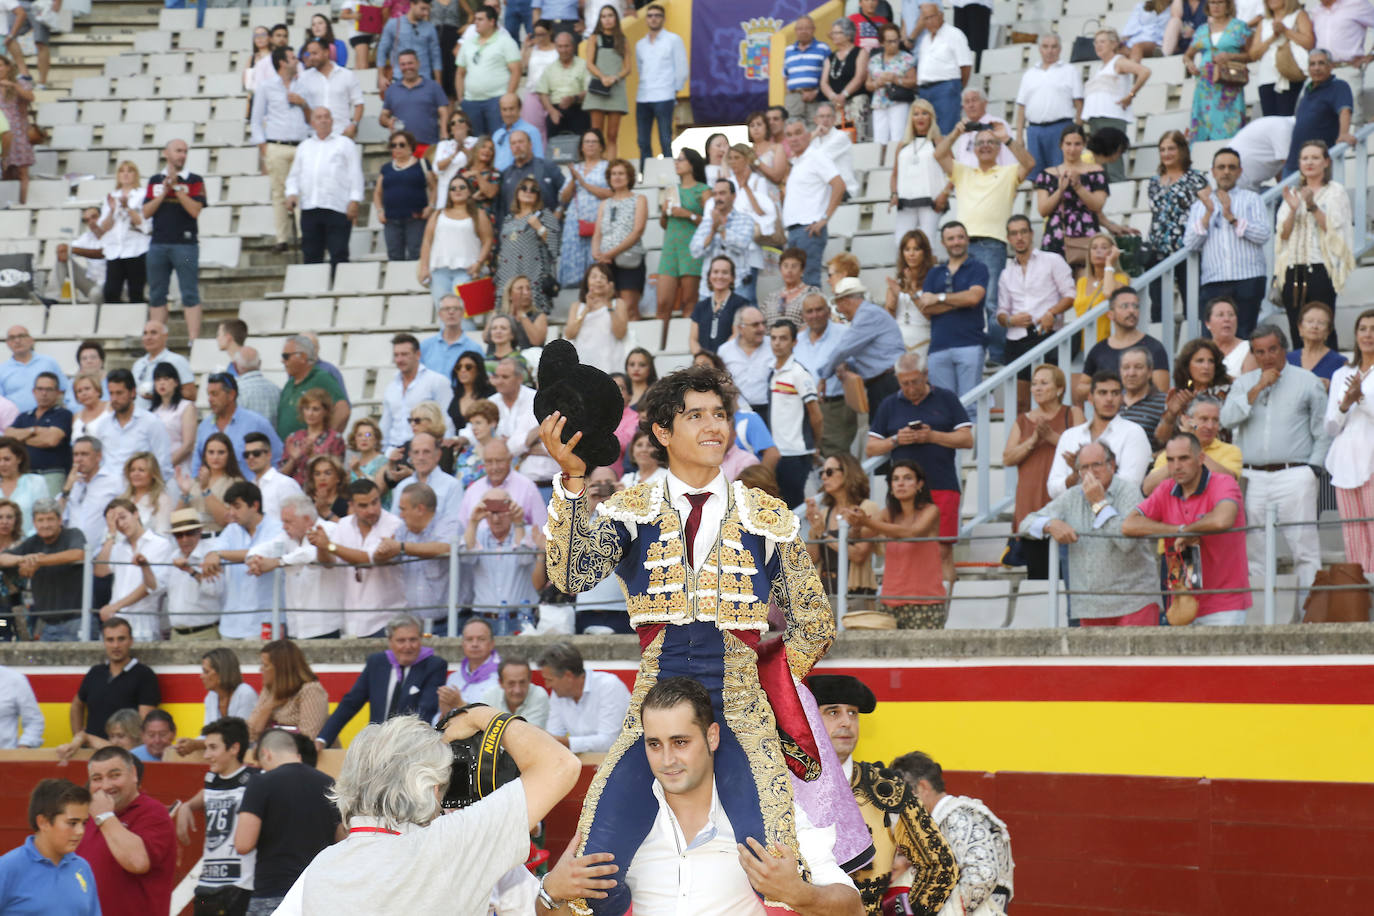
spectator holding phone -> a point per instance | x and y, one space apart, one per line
501 585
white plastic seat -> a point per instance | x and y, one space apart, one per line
261 315
355 383
222 252
308 315
415 312
679 334
357 277
68 320
1011 59
14 224
167 131
48 193
122 135
135 87
143 111
878 185
72 136
177 20
205 355
368 350
236 160
222 18
361 312
1033 608
645 334
866 156
401 277
61 113
255 221
306 280
30 317
119 319
211 61
87 162
152 41
215 221
846 221
979 604
198 42
222 85
57 223
170 63
249 189
90 87
224 133
227 109
189 110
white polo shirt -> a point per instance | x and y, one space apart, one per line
808 187
790 389
942 55
1048 94
705 877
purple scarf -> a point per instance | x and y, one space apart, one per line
483 672
425 652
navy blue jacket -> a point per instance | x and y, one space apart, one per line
420 693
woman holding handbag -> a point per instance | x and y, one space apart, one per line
1280 47
1070 196
617 241
1218 57
1313 253
529 242
892 80
582 194
609 65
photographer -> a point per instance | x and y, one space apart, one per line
400 855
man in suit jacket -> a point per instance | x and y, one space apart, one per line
404 679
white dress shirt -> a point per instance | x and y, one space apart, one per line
515 425
942 54
808 187
400 399
1125 437
18 705
839 149
142 433
671 875
273 118
1048 93
1350 459
145 614
662 66
326 174
124 239
275 486
341 94
191 603
372 595
314 594
593 722
749 370
87 501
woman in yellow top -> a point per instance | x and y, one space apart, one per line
1099 278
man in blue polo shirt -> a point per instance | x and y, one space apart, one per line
440 353
802 64
926 425
952 298
45 875
510 122
1323 111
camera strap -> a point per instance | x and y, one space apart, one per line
488 753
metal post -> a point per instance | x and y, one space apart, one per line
842 569
982 444
1054 583
1271 550
453 589
277 631
87 591
1190 303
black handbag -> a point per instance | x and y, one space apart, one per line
596 87
1083 50
901 94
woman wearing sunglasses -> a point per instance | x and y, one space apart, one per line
402 197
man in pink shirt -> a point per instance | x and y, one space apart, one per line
1200 503
1340 26
1035 288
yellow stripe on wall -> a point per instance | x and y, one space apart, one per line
1217 740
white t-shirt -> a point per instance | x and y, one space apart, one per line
446 868
808 187
790 389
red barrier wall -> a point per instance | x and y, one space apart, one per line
1082 844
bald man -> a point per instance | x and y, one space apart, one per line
154 352
326 182
173 202
512 121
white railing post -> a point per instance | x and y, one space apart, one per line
277 631
842 570
453 589
87 589
1271 551
1055 617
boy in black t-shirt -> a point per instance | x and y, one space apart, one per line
173 202
226 875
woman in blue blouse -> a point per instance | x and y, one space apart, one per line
1312 353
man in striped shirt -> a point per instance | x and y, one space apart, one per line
1230 227
802 64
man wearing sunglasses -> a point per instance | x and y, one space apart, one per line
273 485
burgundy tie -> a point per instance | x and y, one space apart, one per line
693 523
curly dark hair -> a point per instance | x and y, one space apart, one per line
1221 379
667 398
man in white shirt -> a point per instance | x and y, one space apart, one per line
371 593
975 110
587 708
1263 145
19 708
124 431
83 261
326 182
519 427
946 62
814 192
661 61
424 461
1125 437
155 352
836 146
792 405
193 600
693 859
89 489
313 591
134 556
413 383
1049 99
749 360
278 122
343 95
275 486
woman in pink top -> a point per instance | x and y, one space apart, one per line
911 572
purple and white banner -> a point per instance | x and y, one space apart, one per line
730 48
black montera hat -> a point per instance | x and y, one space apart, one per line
841 688
588 397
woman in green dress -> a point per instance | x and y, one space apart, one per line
1218 106
609 64
679 273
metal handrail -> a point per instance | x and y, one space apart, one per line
980 398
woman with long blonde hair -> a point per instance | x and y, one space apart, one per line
145 488
127 236
917 179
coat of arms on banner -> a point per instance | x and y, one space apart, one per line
753 50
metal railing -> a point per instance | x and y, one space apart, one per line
980 400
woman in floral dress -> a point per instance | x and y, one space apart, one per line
1172 193
1071 195
1218 108
581 196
